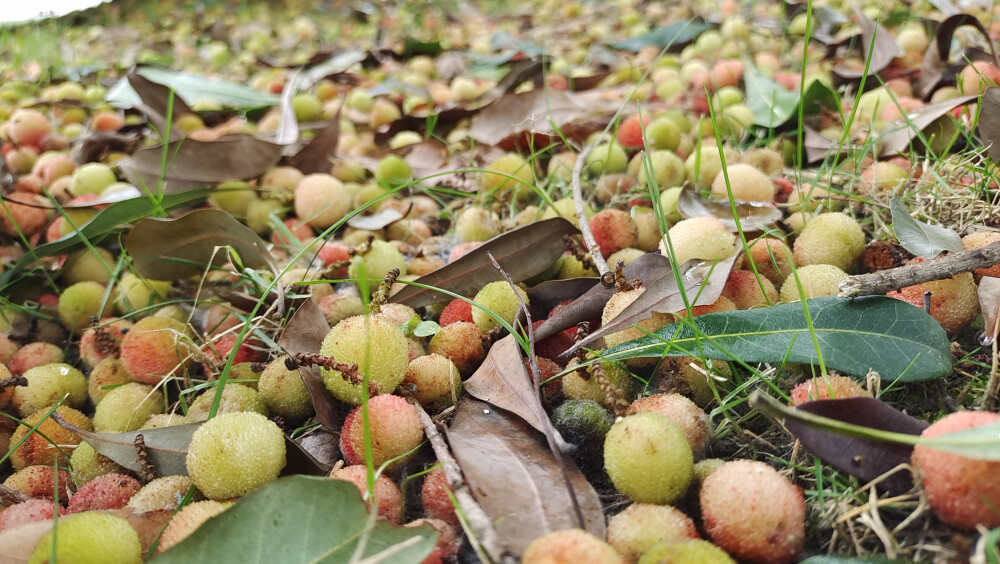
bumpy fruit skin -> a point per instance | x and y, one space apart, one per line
963 492
90 538
235 453
137 294
32 355
684 413
773 259
395 430
235 398
570 546
375 345
832 386
435 496
377 262
162 493
747 184
462 343
187 521
91 349
80 302
642 525
284 392
108 491
981 239
753 512
86 464
321 200
699 237
499 298
456 310
508 173
817 280
477 224
107 373
46 385
575 387
606 158
38 481
155 348
617 304
583 423
127 407
388 497
684 551
830 238
702 166
37 450
746 291
613 230
26 512
435 381
954 301
648 458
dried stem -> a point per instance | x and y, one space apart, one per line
148 473
480 523
614 395
581 213
348 371
883 281
381 295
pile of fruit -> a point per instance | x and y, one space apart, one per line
681 156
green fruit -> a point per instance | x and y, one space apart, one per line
377 262
284 392
47 384
127 407
233 197
682 551
86 464
498 298
830 238
607 158
234 454
376 346
307 107
508 173
90 537
582 422
135 294
80 302
648 458
94 265
392 171
235 398
91 178
663 134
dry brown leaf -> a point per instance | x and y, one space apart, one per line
515 478
936 66
304 334
503 382
754 216
538 112
881 53
904 133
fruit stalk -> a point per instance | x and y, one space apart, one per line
883 281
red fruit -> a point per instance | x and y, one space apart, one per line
32 355
435 495
954 301
26 512
94 349
108 491
613 230
154 348
395 429
631 130
963 492
27 127
38 481
456 310
446 548
555 345
753 512
830 387
387 494
462 343
331 253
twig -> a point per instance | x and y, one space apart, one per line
477 519
9 496
884 281
536 379
581 213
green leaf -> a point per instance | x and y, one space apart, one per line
819 95
892 337
982 442
106 220
192 88
924 240
772 104
673 35
426 329
300 519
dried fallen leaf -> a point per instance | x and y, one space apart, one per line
936 67
878 54
989 121
503 382
516 479
167 249
192 163
901 134
158 101
538 111
522 253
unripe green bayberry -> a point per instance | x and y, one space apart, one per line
235 453
47 384
127 407
92 537
648 458
499 298
80 302
284 392
376 346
